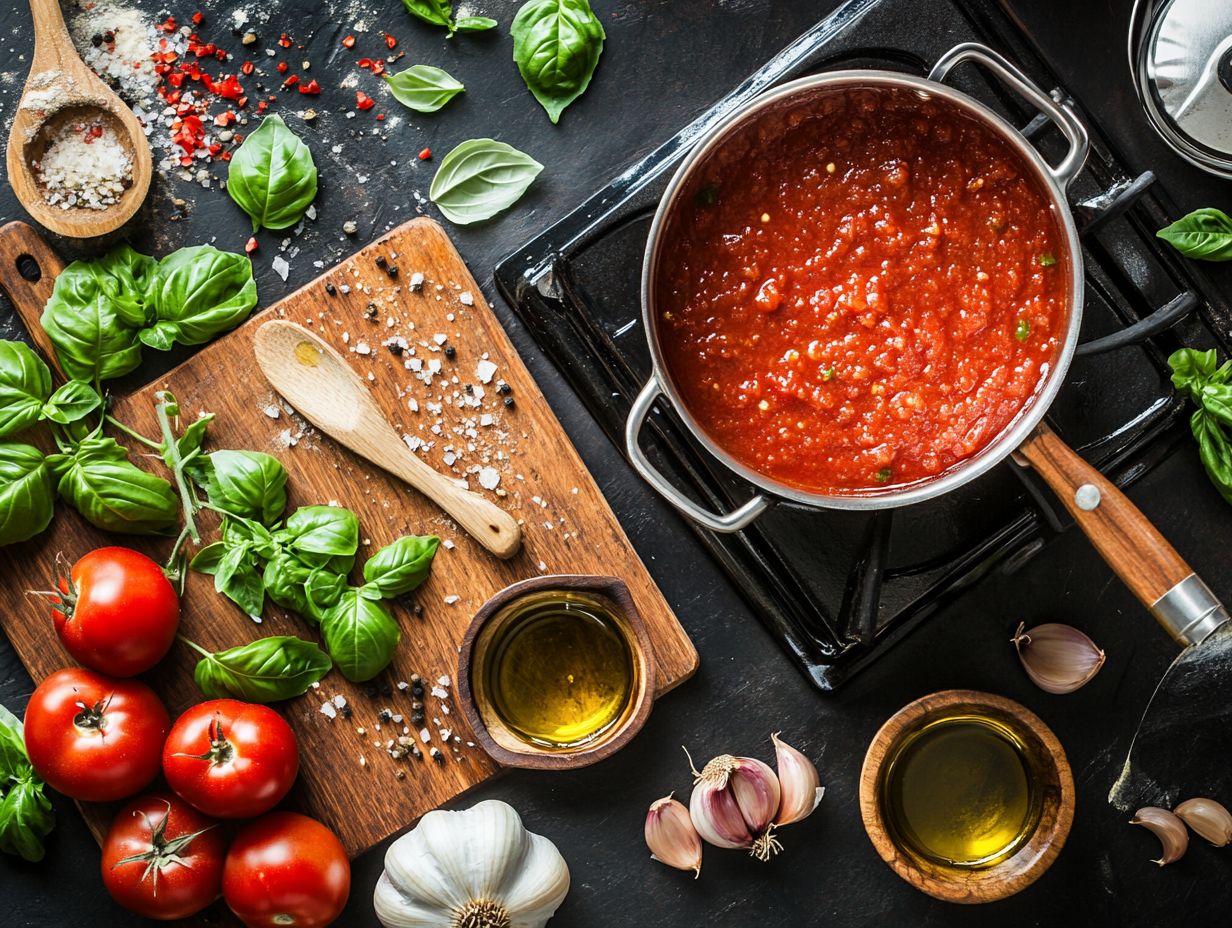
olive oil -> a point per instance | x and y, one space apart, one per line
961 791
560 671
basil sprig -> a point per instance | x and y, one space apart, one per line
102 312
27 492
423 88
1204 233
272 176
26 815
98 480
1207 383
265 670
556 46
302 565
480 178
440 13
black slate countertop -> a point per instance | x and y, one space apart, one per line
664 62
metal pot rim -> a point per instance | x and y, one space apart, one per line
1010 437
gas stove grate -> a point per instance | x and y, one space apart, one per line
839 588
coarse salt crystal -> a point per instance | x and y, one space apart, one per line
451 599
280 266
485 370
489 478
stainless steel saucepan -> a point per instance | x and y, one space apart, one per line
1182 603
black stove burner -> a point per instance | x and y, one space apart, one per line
838 588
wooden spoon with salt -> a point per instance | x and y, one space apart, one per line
325 390
62 91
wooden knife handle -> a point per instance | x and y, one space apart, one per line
24 255
1126 539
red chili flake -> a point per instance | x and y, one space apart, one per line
229 88
282 67
311 87
175 80
220 55
169 25
222 120
380 117
348 42
363 101
251 245
237 140
364 63
167 57
214 149
291 81
197 18
425 154
241 102
186 161
378 67
225 156
262 106
284 40
246 68
390 41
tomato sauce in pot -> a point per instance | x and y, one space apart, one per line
860 291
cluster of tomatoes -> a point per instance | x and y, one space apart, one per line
97 736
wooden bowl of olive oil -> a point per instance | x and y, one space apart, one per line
556 672
967 796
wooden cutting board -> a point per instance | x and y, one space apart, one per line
347 778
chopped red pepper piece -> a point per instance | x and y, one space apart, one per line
363 101
284 40
390 41
364 63
425 154
198 18
291 81
251 245
348 42
246 68
311 87
282 67
380 117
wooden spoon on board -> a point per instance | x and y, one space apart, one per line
62 89
320 384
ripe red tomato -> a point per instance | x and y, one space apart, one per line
116 612
162 858
286 869
231 759
93 737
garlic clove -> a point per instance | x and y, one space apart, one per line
671 837
1058 658
1168 828
540 884
799 783
1208 819
757 791
734 802
716 817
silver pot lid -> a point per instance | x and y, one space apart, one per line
1181 53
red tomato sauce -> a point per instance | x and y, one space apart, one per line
861 293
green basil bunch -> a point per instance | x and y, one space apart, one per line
26 816
303 564
556 46
1207 382
90 472
102 312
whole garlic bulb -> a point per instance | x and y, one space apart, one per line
479 868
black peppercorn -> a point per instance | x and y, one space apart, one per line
97 39
418 610
370 690
380 260
504 389
109 37
417 689
330 289
395 349
509 404
392 270
451 352
417 718
346 712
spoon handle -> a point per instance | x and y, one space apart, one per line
51 36
486 522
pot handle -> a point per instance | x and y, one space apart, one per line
732 522
1062 114
1132 546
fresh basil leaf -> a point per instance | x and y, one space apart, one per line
208 559
248 484
1192 370
245 588
111 492
1214 451
423 88
323 589
25 384
26 815
27 492
556 46
434 12
128 280
266 670
161 336
284 579
88 325
71 402
400 567
474 23
272 176
1204 233
480 178
319 533
202 292
191 440
360 636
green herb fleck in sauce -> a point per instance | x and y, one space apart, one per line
1023 332
1046 260
883 475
